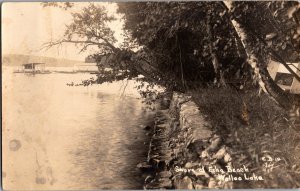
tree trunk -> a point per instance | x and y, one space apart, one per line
265 81
214 59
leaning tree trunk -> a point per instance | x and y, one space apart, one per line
267 84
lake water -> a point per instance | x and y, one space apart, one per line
57 137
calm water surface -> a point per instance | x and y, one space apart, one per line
57 137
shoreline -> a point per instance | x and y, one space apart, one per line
181 139
187 152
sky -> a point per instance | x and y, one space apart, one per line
27 26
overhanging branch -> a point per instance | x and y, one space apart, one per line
87 43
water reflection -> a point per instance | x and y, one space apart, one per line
70 137
111 159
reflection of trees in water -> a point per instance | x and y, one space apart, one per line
106 155
111 163
104 97
127 107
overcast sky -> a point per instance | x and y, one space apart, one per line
26 26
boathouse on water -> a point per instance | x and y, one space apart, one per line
32 68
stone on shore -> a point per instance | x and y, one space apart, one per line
183 184
148 179
165 183
147 128
165 174
183 137
212 183
199 187
220 154
214 144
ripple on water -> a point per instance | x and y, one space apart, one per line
93 138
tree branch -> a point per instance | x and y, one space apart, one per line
105 40
49 45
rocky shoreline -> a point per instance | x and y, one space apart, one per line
184 152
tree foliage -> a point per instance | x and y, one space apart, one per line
65 6
89 28
181 39
184 45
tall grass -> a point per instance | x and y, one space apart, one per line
254 126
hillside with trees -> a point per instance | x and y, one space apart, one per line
19 59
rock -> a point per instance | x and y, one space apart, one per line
189 105
227 158
191 164
147 128
165 183
162 126
200 173
220 154
199 187
229 164
192 156
201 133
184 184
165 174
182 99
159 184
214 144
228 185
212 183
188 165
148 179
204 154
144 166
196 146
152 186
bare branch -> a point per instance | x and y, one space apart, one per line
87 43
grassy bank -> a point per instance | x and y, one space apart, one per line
257 131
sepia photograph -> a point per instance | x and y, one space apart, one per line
151 95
